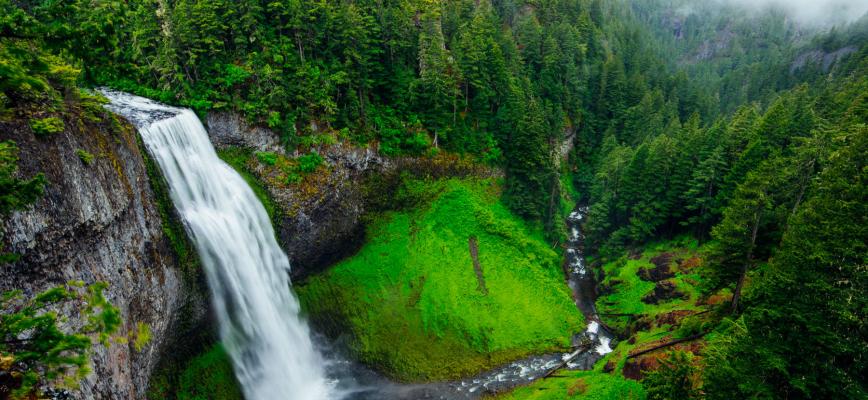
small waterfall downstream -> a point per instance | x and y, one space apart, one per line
269 344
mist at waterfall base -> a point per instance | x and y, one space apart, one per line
269 344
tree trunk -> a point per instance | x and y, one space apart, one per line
738 287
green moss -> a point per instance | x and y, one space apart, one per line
173 228
266 157
46 126
209 377
627 289
411 297
84 156
237 158
142 336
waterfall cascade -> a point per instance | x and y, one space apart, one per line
269 344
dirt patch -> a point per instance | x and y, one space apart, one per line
663 291
660 271
636 369
578 387
477 267
689 263
671 318
715 299
639 367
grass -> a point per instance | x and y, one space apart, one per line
412 301
590 385
209 377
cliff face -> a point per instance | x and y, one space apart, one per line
96 222
321 223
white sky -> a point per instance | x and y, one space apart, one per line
820 12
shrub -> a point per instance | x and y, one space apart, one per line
16 193
84 156
46 126
292 178
34 346
266 157
309 162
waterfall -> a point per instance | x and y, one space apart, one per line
268 342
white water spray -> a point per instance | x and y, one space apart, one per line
248 273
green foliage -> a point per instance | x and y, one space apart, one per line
626 289
40 349
84 156
46 126
142 336
811 293
675 379
266 157
210 377
412 301
309 162
16 193
586 385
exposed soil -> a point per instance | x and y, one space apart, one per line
671 318
477 267
660 271
663 291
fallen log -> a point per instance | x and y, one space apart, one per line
582 349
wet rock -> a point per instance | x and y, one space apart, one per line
663 291
96 222
230 129
609 367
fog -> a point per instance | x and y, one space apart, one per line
811 12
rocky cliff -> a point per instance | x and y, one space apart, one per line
320 222
98 221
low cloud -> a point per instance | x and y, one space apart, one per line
811 12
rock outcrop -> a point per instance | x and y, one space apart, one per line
98 221
320 228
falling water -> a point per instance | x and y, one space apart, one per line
269 344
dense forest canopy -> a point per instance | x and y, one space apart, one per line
740 128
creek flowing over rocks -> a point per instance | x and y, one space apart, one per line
248 273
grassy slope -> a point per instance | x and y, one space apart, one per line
627 292
412 299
